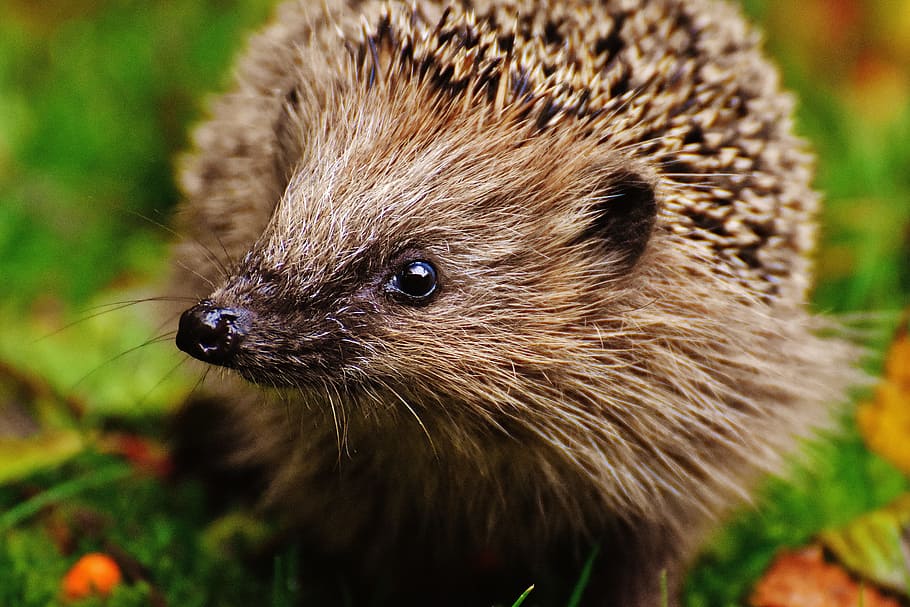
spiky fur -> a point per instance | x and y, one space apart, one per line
560 390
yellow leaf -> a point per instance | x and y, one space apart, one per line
885 421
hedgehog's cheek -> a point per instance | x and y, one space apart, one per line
211 333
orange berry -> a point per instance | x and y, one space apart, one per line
94 573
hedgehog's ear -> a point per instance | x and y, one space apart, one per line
623 215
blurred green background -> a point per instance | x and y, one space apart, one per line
96 102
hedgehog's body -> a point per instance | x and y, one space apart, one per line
524 278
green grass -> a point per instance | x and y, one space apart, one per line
114 508
95 102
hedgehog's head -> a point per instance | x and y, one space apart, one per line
435 226
416 246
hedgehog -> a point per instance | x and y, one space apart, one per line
497 283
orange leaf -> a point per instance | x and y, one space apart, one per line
804 579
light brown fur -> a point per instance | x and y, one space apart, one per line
564 388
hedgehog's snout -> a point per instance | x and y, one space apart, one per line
212 334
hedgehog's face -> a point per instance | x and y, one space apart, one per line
438 274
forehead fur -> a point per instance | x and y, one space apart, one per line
394 181
480 92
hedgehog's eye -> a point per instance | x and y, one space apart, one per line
415 282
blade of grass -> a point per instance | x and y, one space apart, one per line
523 596
583 579
285 579
57 493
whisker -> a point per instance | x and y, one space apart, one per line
199 381
110 307
230 259
141 300
148 393
416 417
209 253
335 421
205 279
157 339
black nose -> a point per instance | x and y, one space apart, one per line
212 334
